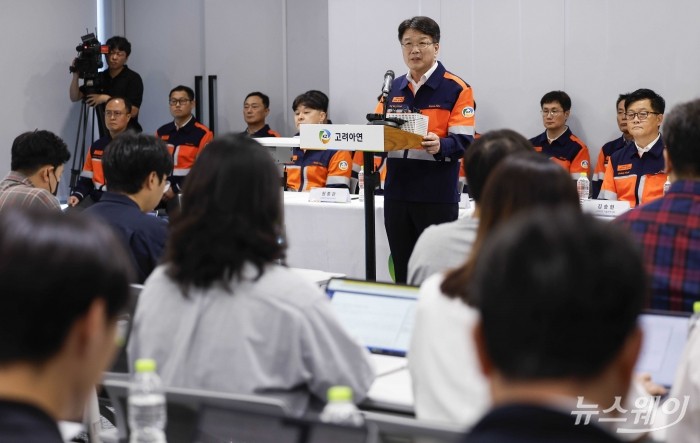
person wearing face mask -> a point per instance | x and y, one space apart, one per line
312 168
37 165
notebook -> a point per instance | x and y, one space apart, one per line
379 315
665 334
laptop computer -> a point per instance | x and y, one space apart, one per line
379 315
665 335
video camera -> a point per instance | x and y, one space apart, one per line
89 60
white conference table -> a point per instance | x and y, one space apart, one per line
331 236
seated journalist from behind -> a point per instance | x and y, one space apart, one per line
136 167
57 326
221 314
37 165
552 343
446 245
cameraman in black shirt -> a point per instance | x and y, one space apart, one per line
117 80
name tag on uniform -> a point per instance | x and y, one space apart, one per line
329 195
605 208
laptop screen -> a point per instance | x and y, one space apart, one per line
665 334
378 315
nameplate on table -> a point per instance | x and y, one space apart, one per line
329 195
342 137
605 208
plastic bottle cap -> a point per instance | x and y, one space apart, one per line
145 365
583 174
339 393
696 306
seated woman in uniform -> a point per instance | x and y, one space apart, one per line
220 314
314 168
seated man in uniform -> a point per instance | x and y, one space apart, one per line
637 173
186 138
555 346
91 183
136 168
611 147
37 165
668 229
65 281
312 168
557 142
256 108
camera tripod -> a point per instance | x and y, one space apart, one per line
81 139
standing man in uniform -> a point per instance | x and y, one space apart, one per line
256 108
185 136
421 186
117 80
91 182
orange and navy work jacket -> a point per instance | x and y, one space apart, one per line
92 177
358 160
185 144
567 150
635 179
265 131
413 175
606 151
312 168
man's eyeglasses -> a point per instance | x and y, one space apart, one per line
420 45
643 115
552 112
182 101
114 113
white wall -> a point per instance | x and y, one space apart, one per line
37 50
513 51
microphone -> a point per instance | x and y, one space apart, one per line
388 79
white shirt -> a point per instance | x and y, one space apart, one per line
642 150
424 78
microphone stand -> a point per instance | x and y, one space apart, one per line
371 183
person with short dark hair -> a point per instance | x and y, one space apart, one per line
65 281
557 141
311 168
37 165
611 147
668 229
221 314
115 81
559 295
422 183
447 384
444 246
186 138
256 108
136 167
91 183
636 173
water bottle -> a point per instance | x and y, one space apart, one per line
695 318
340 409
147 414
583 186
667 185
361 183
